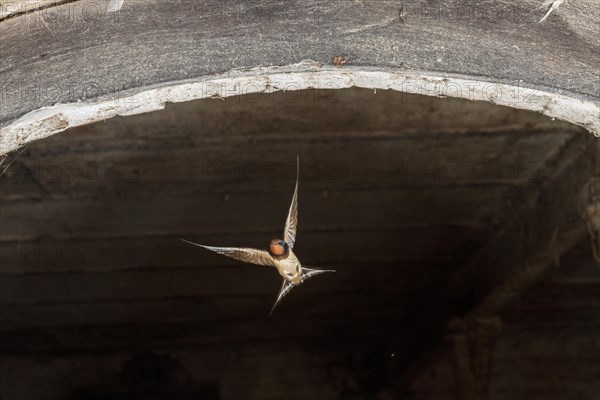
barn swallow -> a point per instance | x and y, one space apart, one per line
279 255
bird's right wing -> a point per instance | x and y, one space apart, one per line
291 223
253 256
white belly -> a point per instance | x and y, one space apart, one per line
289 267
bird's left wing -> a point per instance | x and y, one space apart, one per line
254 256
291 224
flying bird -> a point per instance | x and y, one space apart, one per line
280 254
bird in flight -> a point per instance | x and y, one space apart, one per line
279 255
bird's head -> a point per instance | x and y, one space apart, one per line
278 247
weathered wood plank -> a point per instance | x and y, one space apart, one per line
269 164
145 47
416 246
556 320
307 302
558 297
582 269
157 213
225 281
145 336
232 369
14 8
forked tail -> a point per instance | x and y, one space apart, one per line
287 286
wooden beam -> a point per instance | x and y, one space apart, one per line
543 225
472 344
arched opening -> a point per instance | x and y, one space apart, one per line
424 205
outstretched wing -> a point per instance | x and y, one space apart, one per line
286 287
309 273
253 256
291 224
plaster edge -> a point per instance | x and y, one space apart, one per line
48 121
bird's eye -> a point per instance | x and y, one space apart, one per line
289 274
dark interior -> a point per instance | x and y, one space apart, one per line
427 208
